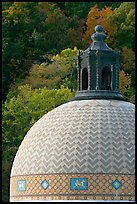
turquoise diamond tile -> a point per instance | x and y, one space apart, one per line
116 184
45 184
21 185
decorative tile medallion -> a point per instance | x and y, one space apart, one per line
78 183
21 185
45 184
116 184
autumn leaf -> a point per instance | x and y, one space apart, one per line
98 16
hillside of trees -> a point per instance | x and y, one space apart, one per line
39 43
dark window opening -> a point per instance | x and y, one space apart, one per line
106 79
85 79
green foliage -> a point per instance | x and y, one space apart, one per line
17 21
31 31
6 5
81 9
128 63
113 5
123 19
22 111
62 71
131 94
61 30
32 35
128 60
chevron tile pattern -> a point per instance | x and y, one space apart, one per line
80 137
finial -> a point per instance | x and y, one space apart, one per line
98 35
98 28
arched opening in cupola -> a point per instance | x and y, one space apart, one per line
106 78
85 79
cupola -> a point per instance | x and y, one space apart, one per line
98 70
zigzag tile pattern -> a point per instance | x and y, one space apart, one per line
89 136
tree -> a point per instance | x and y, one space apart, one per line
113 5
16 27
124 82
81 9
123 18
128 66
98 16
6 5
29 30
128 60
68 31
62 71
131 94
128 63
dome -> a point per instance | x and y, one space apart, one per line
81 150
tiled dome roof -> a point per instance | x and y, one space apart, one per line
79 139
